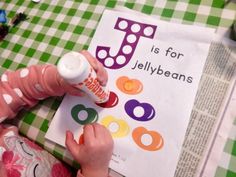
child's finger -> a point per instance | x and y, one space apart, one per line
88 134
71 144
91 59
97 66
102 74
99 131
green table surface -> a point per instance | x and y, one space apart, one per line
56 27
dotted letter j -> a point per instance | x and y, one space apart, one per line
133 31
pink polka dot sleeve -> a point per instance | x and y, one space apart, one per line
24 87
79 174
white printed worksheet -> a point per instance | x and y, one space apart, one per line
154 68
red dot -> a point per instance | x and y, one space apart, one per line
112 101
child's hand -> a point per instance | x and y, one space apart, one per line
95 152
102 75
97 66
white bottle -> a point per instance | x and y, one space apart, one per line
76 70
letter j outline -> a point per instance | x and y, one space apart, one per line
133 31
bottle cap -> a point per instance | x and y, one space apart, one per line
72 67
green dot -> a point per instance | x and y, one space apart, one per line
218 3
31 5
4 44
20 66
35 20
72 12
78 29
43 6
45 57
70 45
129 5
26 33
167 13
57 9
213 20
40 37
92 33
17 48
55 104
230 173
57 155
30 52
91 114
11 14
44 126
63 26
111 3
233 152
7 63
195 2
14 30
54 41
87 15
48 23
85 47
29 118
147 9
94 2
188 16
20 2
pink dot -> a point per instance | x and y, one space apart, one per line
24 73
7 98
4 78
18 92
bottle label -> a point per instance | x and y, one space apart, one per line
92 87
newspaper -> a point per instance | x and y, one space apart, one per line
211 116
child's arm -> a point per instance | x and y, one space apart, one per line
94 154
24 87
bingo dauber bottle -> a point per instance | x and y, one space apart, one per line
76 70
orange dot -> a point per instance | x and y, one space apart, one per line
128 85
157 140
